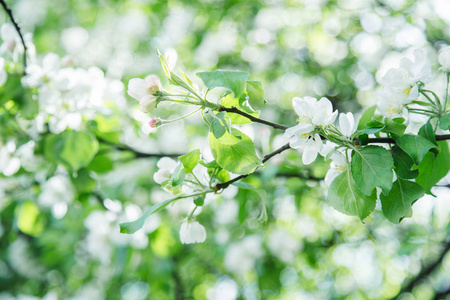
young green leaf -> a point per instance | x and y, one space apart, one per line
371 167
394 127
415 145
397 204
244 185
220 125
73 149
403 164
366 117
229 101
132 227
178 175
233 80
235 154
444 122
345 196
255 94
427 132
434 168
190 160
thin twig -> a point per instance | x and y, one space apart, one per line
137 153
9 12
224 185
252 118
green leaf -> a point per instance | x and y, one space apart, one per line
403 164
190 160
366 117
244 185
427 132
372 167
394 127
233 80
434 168
255 94
223 176
73 149
132 227
444 122
397 204
415 145
178 175
345 196
229 101
199 201
235 154
220 125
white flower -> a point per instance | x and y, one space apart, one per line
10 38
404 80
318 113
444 58
166 167
192 232
347 124
302 136
337 166
3 74
144 91
312 114
9 165
322 114
38 75
390 104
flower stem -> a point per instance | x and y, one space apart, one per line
235 110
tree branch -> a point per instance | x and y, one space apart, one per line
9 12
252 118
137 153
392 141
224 185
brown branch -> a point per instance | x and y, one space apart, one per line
224 185
392 141
252 118
137 153
9 12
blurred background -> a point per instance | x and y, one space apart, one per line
59 232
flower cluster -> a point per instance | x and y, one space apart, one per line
146 91
316 120
401 86
66 94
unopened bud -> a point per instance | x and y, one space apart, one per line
154 123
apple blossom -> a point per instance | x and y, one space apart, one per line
192 232
347 124
337 166
444 58
145 91
3 74
10 38
405 80
312 114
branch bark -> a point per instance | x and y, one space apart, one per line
17 27
252 118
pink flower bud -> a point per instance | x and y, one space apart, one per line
153 123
